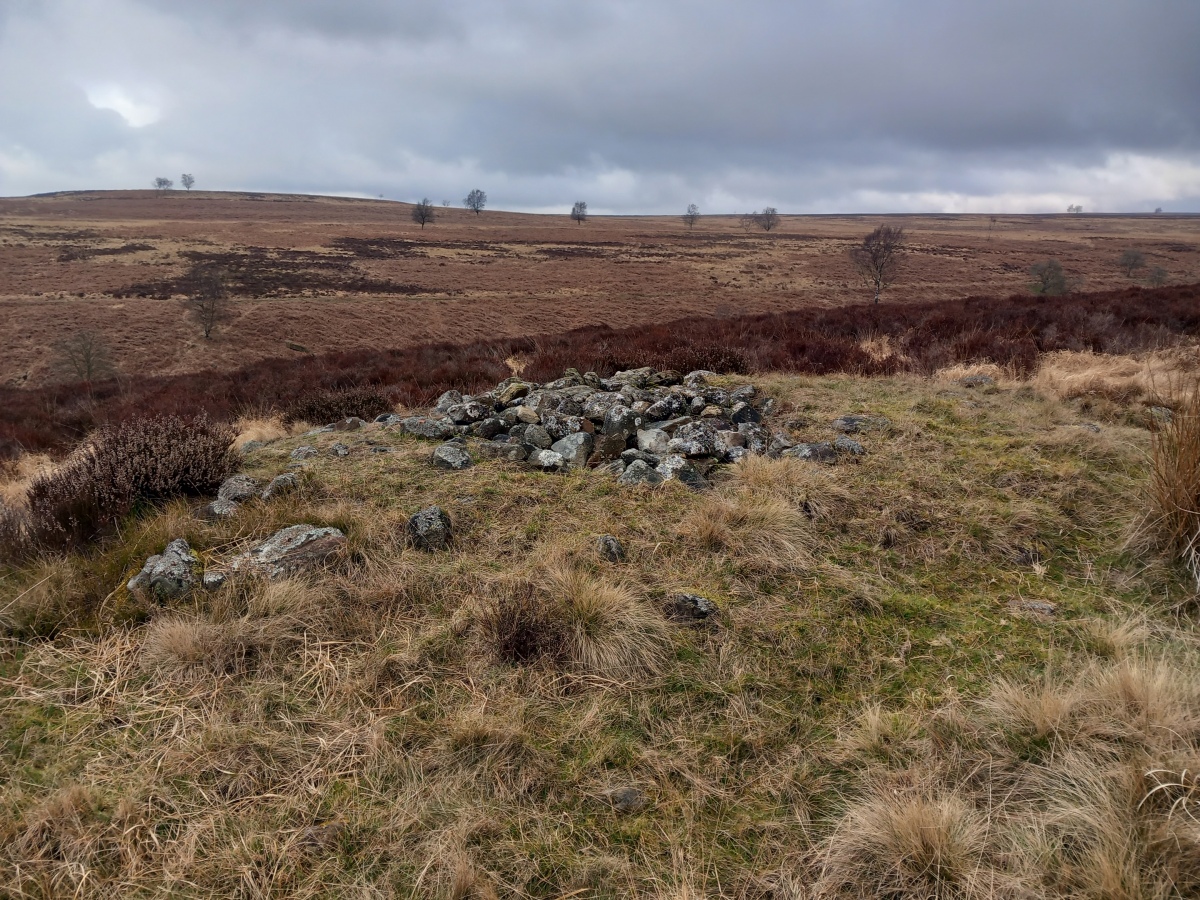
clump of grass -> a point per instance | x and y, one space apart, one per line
1172 521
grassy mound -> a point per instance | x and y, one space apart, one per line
935 672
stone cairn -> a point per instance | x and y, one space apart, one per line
643 426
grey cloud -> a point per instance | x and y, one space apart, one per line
651 104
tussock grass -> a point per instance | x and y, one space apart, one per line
867 716
1173 520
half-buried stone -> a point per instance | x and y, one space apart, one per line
451 456
238 488
280 485
639 472
574 448
169 574
291 550
430 529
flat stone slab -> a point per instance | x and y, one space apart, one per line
290 550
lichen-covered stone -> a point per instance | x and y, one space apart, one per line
296 548
169 574
430 529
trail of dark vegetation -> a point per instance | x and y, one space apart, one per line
922 337
260 272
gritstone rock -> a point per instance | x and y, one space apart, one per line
305 452
639 472
610 548
690 608
169 574
296 548
281 484
575 448
437 428
238 488
451 456
430 529
218 509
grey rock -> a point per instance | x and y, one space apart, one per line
436 428
610 548
490 427
386 419
744 412
653 440
974 381
448 400
856 424
559 425
547 460
575 448
290 550
513 391
639 472
467 412
818 452
169 574
695 439
217 510
323 430
669 407
1160 415
768 407
633 454
598 405
451 456
637 378
339 450
614 468
678 468
690 608
778 444
538 437
303 453
502 450
728 440
251 446
625 799
849 446
280 485
238 488
430 529
213 580
353 423
744 394
622 420
528 415
698 378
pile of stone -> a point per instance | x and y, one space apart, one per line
643 426
237 489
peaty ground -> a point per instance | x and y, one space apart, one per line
320 274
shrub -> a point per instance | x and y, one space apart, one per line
1173 520
321 407
141 461
1048 278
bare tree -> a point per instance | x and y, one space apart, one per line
187 181
991 226
475 201
423 212
1075 209
767 219
207 301
877 258
579 212
163 184
84 356
1132 261
1049 280
692 216
1157 277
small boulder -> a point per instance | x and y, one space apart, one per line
353 423
538 437
669 407
447 400
607 446
819 452
437 428
622 420
653 440
502 450
214 579
547 460
976 381
490 427
744 412
302 453
528 415
610 548
690 608
467 412
386 419
430 529
280 485
217 510
575 448
678 468
238 488
695 439
451 456
339 450
625 799
296 548
639 472
848 446
514 391
169 574
857 424
633 454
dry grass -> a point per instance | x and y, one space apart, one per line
266 429
1172 521
1145 378
18 474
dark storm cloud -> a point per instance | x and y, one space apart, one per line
635 106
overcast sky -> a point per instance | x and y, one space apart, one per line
634 107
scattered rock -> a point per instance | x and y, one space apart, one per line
303 453
217 510
639 472
819 452
296 548
339 450
451 456
1037 609
625 799
386 419
251 446
1160 415
430 529
677 467
690 608
975 381
238 488
447 400
353 423
653 440
502 450
214 579
847 445
169 574
857 424
538 437
610 548
280 485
